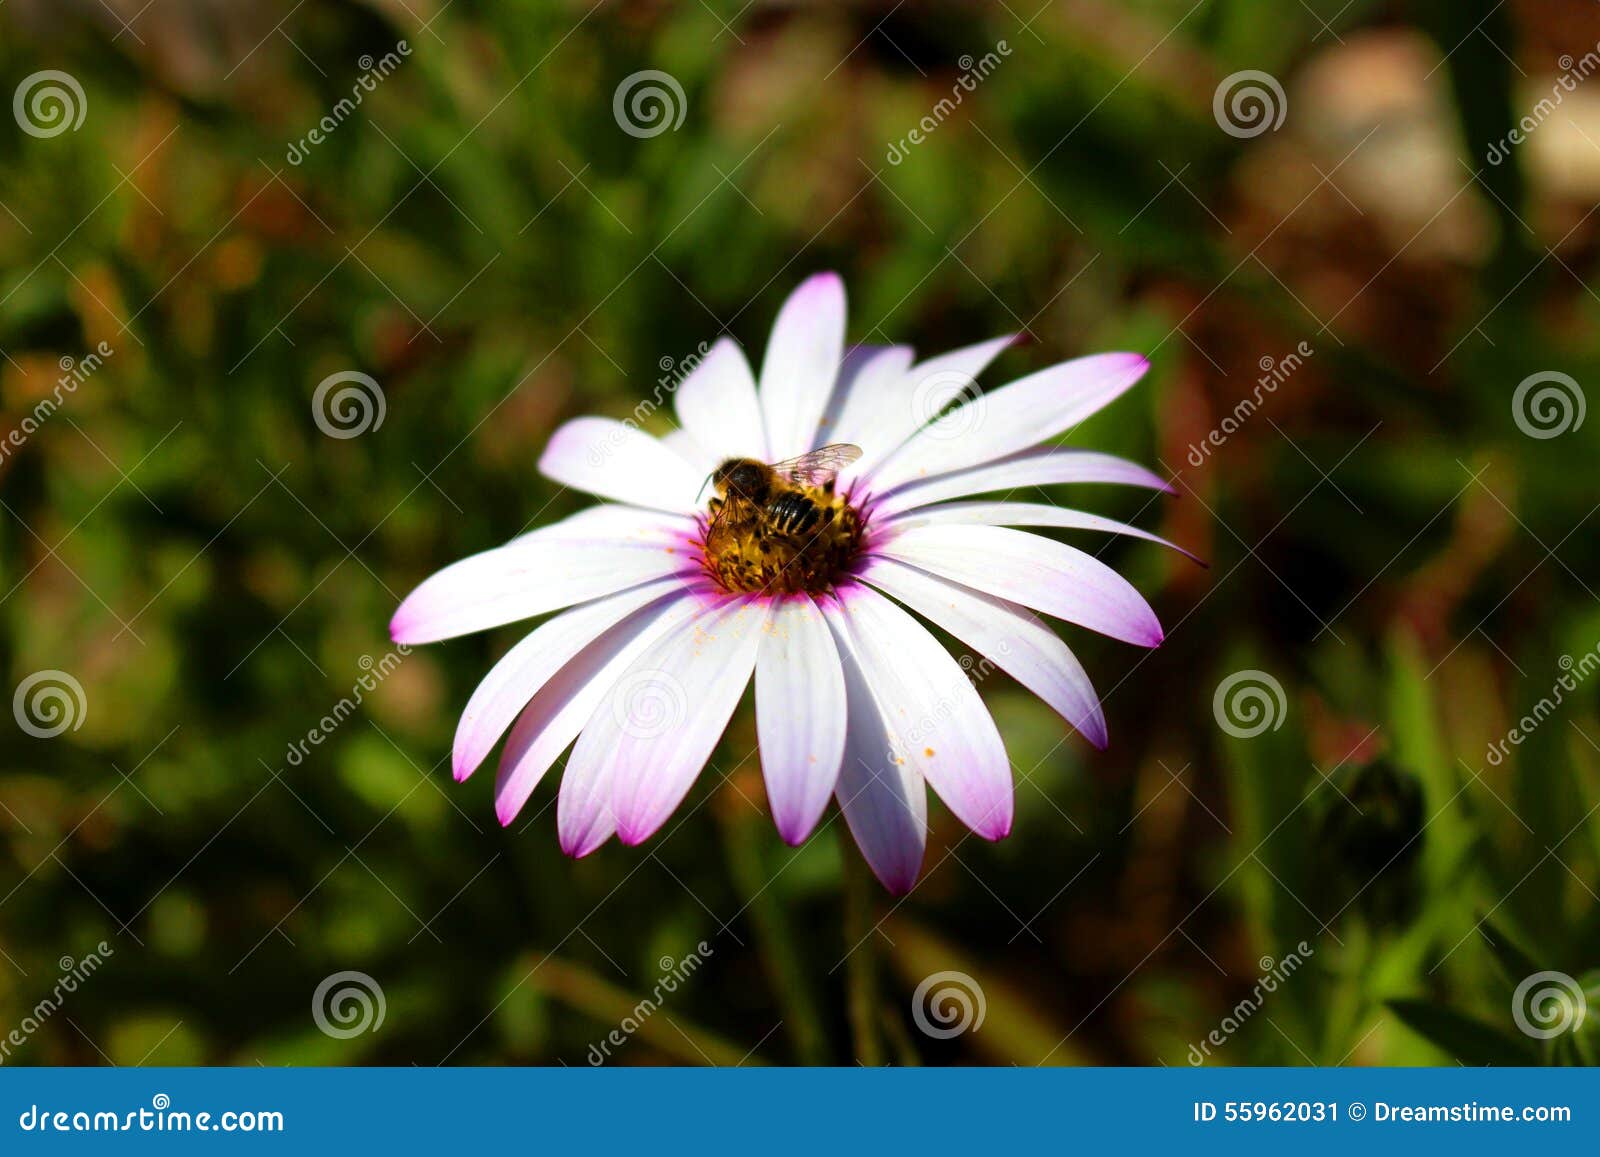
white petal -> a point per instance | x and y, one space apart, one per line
614 460
884 802
717 405
800 715
938 724
920 394
801 362
683 444
866 391
526 578
1005 634
1030 569
1046 467
618 524
1013 418
1021 514
512 682
658 725
559 709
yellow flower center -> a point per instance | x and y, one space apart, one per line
790 540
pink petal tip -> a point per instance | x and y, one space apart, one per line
900 885
793 832
817 282
632 837
399 628
580 848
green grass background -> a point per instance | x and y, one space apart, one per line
482 238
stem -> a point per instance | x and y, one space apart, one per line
1351 998
861 966
780 955
894 1031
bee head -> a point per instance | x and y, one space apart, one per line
743 478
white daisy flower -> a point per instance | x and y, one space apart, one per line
793 531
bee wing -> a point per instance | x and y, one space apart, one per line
820 466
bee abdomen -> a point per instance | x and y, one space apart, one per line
793 513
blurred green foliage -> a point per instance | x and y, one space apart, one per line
481 237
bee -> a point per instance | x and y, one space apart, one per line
779 527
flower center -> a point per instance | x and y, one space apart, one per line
790 540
